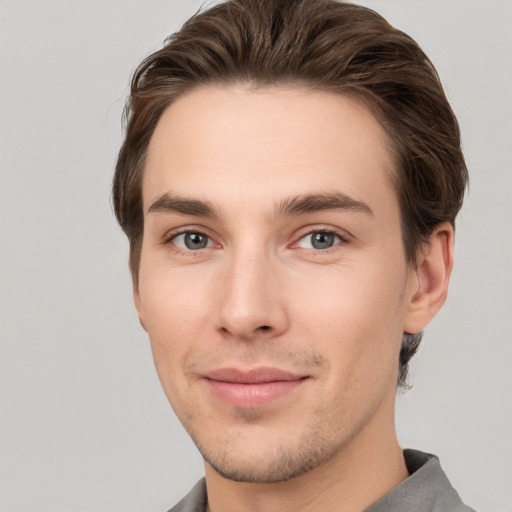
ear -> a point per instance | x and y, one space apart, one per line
138 305
431 279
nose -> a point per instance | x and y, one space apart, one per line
252 305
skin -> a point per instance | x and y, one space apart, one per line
261 293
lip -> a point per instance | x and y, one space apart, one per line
252 388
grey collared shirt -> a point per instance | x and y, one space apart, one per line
426 490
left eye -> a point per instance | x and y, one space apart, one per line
192 241
319 240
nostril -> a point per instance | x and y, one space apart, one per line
264 328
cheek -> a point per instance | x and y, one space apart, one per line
175 313
354 297
355 315
172 300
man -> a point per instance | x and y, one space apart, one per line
289 183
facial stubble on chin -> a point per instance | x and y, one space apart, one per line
284 462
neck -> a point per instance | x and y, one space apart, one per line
369 467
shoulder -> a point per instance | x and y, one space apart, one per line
194 501
426 490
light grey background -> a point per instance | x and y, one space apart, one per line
84 425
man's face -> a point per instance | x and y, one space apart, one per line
273 283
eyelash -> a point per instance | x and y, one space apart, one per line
170 237
324 230
343 239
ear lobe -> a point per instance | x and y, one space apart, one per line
432 277
138 306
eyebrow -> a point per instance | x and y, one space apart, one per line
311 203
183 205
296 205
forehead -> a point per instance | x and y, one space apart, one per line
237 145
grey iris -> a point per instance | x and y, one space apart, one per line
195 241
322 240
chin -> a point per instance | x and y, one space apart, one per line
271 465
280 469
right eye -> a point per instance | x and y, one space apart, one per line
192 241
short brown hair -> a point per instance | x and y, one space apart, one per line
320 44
